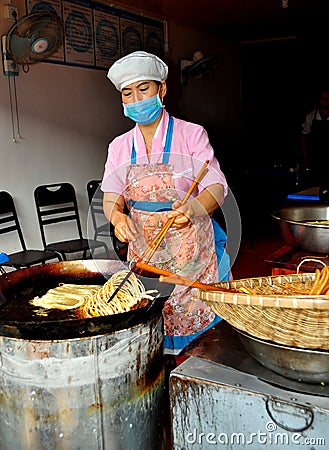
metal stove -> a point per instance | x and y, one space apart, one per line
221 397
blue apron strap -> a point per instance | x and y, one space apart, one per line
223 259
151 206
155 206
166 152
133 154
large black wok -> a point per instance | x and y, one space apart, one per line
18 319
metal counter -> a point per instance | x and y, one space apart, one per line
220 397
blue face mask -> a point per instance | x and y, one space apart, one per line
145 111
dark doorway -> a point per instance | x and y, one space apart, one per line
272 110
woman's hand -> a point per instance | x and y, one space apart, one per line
124 228
182 214
114 210
205 203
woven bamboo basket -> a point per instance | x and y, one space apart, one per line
273 314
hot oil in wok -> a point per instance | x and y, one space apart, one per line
18 288
17 307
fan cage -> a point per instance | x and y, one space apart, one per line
27 32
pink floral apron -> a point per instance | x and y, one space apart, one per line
189 251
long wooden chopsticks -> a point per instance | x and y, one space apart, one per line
154 244
170 277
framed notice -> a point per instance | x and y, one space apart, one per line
95 34
131 27
55 7
106 35
78 26
153 37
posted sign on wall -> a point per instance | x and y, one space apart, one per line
95 35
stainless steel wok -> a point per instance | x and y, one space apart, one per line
297 232
310 366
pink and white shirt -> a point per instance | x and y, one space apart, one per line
190 148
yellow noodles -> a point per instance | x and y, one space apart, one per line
317 222
129 295
65 296
92 299
320 286
285 288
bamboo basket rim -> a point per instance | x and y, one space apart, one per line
296 321
305 301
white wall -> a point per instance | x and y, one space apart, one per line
68 115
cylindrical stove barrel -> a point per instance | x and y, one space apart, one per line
98 392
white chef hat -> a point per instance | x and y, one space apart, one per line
135 67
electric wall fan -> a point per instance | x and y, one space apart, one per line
34 37
199 66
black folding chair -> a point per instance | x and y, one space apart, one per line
9 223
57 204
101 226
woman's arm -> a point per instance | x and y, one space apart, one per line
208 200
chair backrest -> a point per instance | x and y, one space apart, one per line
8 217
93 190
95 196
56 203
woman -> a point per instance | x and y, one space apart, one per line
315 140
148 171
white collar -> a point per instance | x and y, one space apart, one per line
157 131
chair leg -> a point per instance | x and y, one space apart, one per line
106 251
